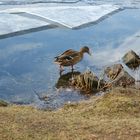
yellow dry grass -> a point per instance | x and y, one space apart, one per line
114 116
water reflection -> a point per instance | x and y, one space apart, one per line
65 79
26 62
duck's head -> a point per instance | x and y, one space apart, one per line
85 49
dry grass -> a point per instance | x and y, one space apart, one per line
113 116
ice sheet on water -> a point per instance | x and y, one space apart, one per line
69 16
123 3
20 2
10 23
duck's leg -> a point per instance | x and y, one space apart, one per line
61 68
72 68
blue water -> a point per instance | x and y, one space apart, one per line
26 61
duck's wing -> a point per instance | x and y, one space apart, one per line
67 58
66 53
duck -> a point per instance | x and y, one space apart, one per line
71 57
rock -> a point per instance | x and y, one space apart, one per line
3 103
131 59
113 71
118 76
137 85
123 79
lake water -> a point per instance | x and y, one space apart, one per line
26 61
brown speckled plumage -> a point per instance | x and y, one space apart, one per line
71 57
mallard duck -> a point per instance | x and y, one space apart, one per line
71 57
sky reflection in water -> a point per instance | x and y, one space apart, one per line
26 61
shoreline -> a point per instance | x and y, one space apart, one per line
112 116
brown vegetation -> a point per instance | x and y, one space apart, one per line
116 115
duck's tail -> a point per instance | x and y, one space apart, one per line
57 60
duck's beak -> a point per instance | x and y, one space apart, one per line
89 53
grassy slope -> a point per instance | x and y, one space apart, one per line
114 116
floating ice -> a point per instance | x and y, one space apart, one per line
20 2
69 16
123 3
11 23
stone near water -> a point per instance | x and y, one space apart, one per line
3 103
113 71
118 76
124 79
131 59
